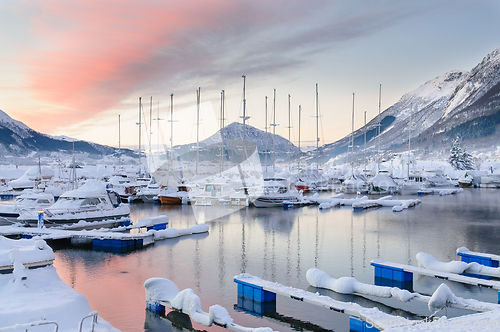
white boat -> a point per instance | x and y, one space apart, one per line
435 177
275 192
355 184
383 184
149 193
213 194
465 181
490 181
90 202
31 178
174 195
28 202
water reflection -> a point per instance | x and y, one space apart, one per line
281 245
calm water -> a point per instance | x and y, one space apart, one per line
281 245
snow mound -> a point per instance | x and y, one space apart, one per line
347 285
429 262
442 297
24 251
160 289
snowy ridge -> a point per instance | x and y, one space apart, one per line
477 83
14 125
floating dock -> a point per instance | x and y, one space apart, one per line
111 240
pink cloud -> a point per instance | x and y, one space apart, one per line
96 52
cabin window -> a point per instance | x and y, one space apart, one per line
91 201
43 201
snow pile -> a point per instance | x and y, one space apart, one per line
160 289
173 232
189 303
330 204
458 267
91 187
442 297
146 222
347 285
429 262
24 251
34 295
220 315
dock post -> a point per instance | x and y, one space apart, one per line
40 219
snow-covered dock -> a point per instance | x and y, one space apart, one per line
37 296
478 257
402 272
387 201
370 319
114 240
162 293
253 287
439 191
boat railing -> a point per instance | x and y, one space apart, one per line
92 315
26 326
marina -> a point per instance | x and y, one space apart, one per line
280 246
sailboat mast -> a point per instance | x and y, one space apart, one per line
379 124
221 127
409 146
317 120
198 93
267 150
289 127
150 122
352 136
119 144
244 108
300 110
171 128
364 148
274 128
139 124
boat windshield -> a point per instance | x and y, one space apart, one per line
68 202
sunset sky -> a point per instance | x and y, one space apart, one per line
72 67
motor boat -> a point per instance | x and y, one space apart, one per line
275 192
91 202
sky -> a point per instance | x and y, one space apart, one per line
78 68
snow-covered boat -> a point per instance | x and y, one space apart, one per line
275 192
490 181
382 184
90 202
149 193
355 184
174 195
434 177
31 201
213 194
465 181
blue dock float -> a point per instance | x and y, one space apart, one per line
480 258
402 273
254 292
358 325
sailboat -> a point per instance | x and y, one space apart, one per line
172 194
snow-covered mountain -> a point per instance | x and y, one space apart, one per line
458 102
18 139
284 150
